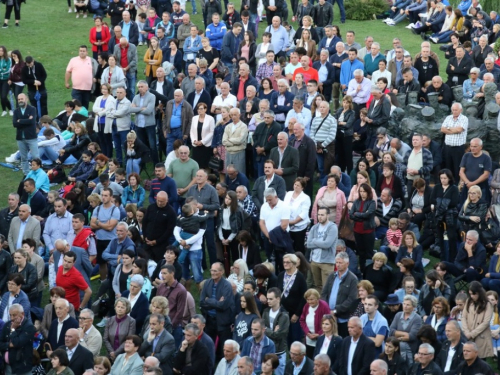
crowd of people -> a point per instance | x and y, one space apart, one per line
274 170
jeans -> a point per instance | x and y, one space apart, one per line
24 146
83 96
131 78
178 335
48 153
340 3
133 165
172 137
193 259
443 37
388 253
209 238
119 138
321 165
193 3
280 370
147 136
320 31
17 90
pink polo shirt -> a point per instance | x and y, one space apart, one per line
81 73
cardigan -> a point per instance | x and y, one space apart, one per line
105 37
207 130
127 327
341 202
101 112
116 80
323 309
158 56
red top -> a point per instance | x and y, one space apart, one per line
72 282
359 226
105 37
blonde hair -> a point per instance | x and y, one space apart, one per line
366 285
132 135
311 293
476 189
365 175
292 257
94 198
162 302
270 266
393 221
380 256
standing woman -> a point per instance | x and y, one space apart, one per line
99 37
231 222
362 213
218 148
102 63
299 86
113 75
263 47
444 202
16 5
311 319
15 78
5 63
331 197
247 50
308 43
103 124
293 284
345 120
329 342
476 318
299 204
29 244
153 58
202 132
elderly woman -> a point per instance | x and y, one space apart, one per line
136 153
434 287
380 275
410 248
103 124
439 317
240 274
476 318
329 342
29 273
365 288
311 319
293 286
362 213
202 131
158 305
481 51
332 197
138 301
49 312
389 180
219 149
118 328
472 216
114 76
405 327
299 204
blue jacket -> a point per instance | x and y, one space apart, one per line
332 50
178 65
230 44
402 4
267 348
441 336
83 171
129 196
491 269
167 185
41 179
241 179
464 6
281 108
336 59
215 34
347 70
478 260
133 35
418 7
112 251
21 298
224 307
37 202
437 18
192 47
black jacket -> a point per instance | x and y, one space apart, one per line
25 124
427 199
307 157
252 62
425 75
52 339
307 369
204 98
435 148
447 98
141 151
295 301
133 35
322 17
167 91
367 215
348 293
259 186
30 276
29 75
200 360
349 118
77 145
251 81
380 114
266 137
115 11
21 352
159 224
461 70
363 356
333 349
480 209
81 359
289 164
5 266
445 205
37 202
431 369
5 221
397 365
478 367
397 187
441 357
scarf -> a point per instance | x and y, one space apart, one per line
116 343
82 239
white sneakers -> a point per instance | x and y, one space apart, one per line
410 25
102 323
4 113
11 113
12 158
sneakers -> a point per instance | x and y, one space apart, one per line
11 158
434 40
102 323
69 10
85 15
4 113
5 26
140 43
195 12
391 23
11 113
78 15
410 25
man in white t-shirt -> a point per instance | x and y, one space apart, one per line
225 99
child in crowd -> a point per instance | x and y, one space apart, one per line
190 225
394 235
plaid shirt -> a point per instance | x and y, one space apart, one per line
456 139
256 354
265 71
428 164
249 207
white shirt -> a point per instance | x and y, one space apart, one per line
352 349
229 101
70 352
386 209
6 316
60 325
449 359
273 216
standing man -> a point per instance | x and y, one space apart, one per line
349 67
472 364
323 132
418 163
34 75
300 113
117 246
307 72
57 225
188 83
279 35
192 45
158 226
246 80
326 74
265 138
459 67
8 213
286 159
143 106
121 122
22 227
258 345
104 220
230 45
372 59
215 32
225 99
206 196
82 237
475 169
183 171
268 180
163 90
126 57
235 140
217 304
375 326
265 70
130 30
307 155
322 15
24 120
455 129
282 99
359 89
80 71
177 120
163 183
322 243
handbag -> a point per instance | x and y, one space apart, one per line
346 226
216 163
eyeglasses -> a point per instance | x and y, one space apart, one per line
424 353
82 318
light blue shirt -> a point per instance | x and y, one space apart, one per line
196 98
126 29
156 339
175 120
22 228
297 369
104 215
323 73
57 227
332 302
141 119
304 117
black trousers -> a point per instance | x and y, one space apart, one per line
452 158
344 152
364 246
4 95
17 11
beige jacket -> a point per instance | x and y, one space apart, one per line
477 328
235 141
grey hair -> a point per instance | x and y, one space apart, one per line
284 82
376 44
248 360
475 70
368 36
299 345
270 113
455 324
245 65
89 311
199 79
139 279
382 131
252 87
343 255
490 59
142 82
478 140
283 133
382 365
122 39
323 358
179 91
302 126
473 233
473 344
412 299
200 317
234 344
90 372
123 224
269 192
16 307
485 74
244 188
356 320
483 37
341 243
235 109
193 328
299 99
265 101
358 72
63 241
325 51
15 195
459 105
375 88
430 349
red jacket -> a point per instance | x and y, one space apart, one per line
323 309
105 37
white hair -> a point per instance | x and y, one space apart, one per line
358 72
234 344
270 192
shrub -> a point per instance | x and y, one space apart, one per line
361 10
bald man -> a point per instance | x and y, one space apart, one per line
31 228
24 120
158 226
